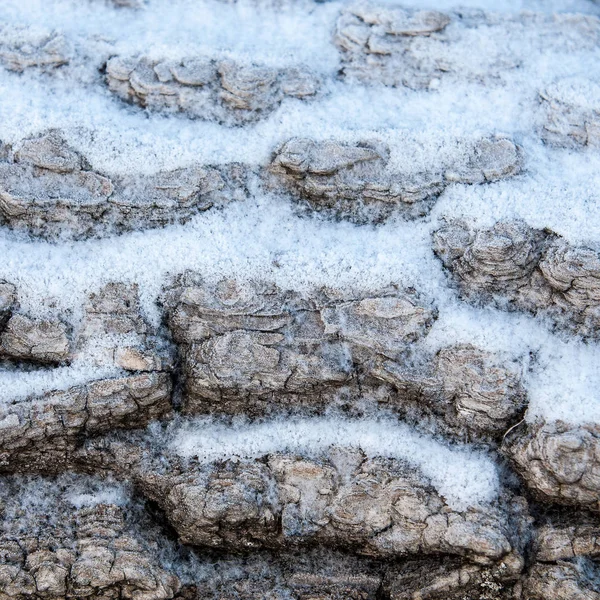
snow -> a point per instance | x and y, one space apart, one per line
16 384
31 503
169 28
105 494
463 477
264 238
564 385
576 91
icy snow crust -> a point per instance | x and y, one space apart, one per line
265 238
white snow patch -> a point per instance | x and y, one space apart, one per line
565 384
576 91
18 385
508 6
114 136
31 503
464 477
559 190
175 28
108 494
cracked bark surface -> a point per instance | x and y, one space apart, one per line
49 190
244 343
35 340
380 508
28 339
114 332
558 462
102 549
356 181
470 393
39 433
330 524
565 581
565 554
394 46
318 575
252 349
567 536
201 88
90 552
516 267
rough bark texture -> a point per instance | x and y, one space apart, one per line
515 267
89 552
115 333
380 508
27 339
355 182
565 549
49 190
39 434
200 88
105 550
254 349
35 340
475 394
241 344
559 462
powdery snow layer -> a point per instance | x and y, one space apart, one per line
115 136
167 28
297 29
40 496
105 494
463 477
565 384
16 384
